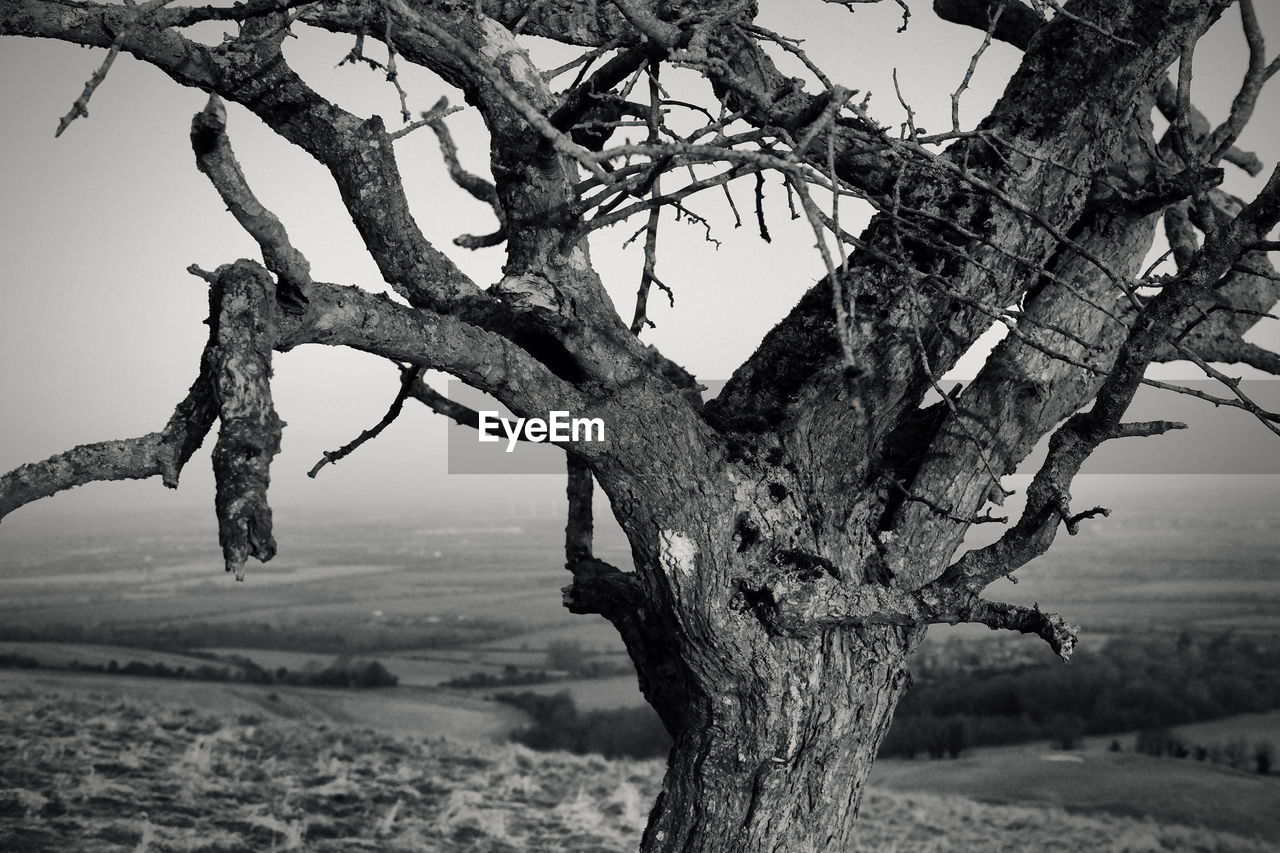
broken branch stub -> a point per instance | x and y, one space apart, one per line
249 433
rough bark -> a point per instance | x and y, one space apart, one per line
249 431
779 763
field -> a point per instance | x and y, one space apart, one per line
1250 728
1093 780
104 774
1090 781
357 578
61 655
468 595
461 595
590 694
402 709
1200 555
412 669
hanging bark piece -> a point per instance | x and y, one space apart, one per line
249 434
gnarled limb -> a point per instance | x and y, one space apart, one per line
476 186
597 587
985 188
251 70
1048 495
1027 385
215 158
1018 23
799 604
1215 326
124 459
549 298
162 453
232 385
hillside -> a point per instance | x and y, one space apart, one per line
90 773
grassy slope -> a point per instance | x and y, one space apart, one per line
1251 728
401 709
1126 783
95 773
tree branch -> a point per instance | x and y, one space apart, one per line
1016 25
802 604
408 376
1029 383
549 294
124 459
1048 495
162 453
476 186
1031 148
251 70
597 587
215 158
351 317
234 386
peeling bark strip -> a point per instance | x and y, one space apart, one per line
249 435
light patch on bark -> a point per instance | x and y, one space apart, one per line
499 44
891 550
528 292
678 553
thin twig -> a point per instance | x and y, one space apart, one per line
81 105
407 377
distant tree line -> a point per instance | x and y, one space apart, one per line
564 659
1237 753
1133 683
510 676
558 725
340 673
574 659
348 637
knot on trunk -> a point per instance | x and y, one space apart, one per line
796 594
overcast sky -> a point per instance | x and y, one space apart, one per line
101 328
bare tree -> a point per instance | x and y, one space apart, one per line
793 537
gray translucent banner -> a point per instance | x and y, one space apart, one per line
1218 440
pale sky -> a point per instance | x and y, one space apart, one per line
100 329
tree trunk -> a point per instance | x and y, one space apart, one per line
779 764
775 732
